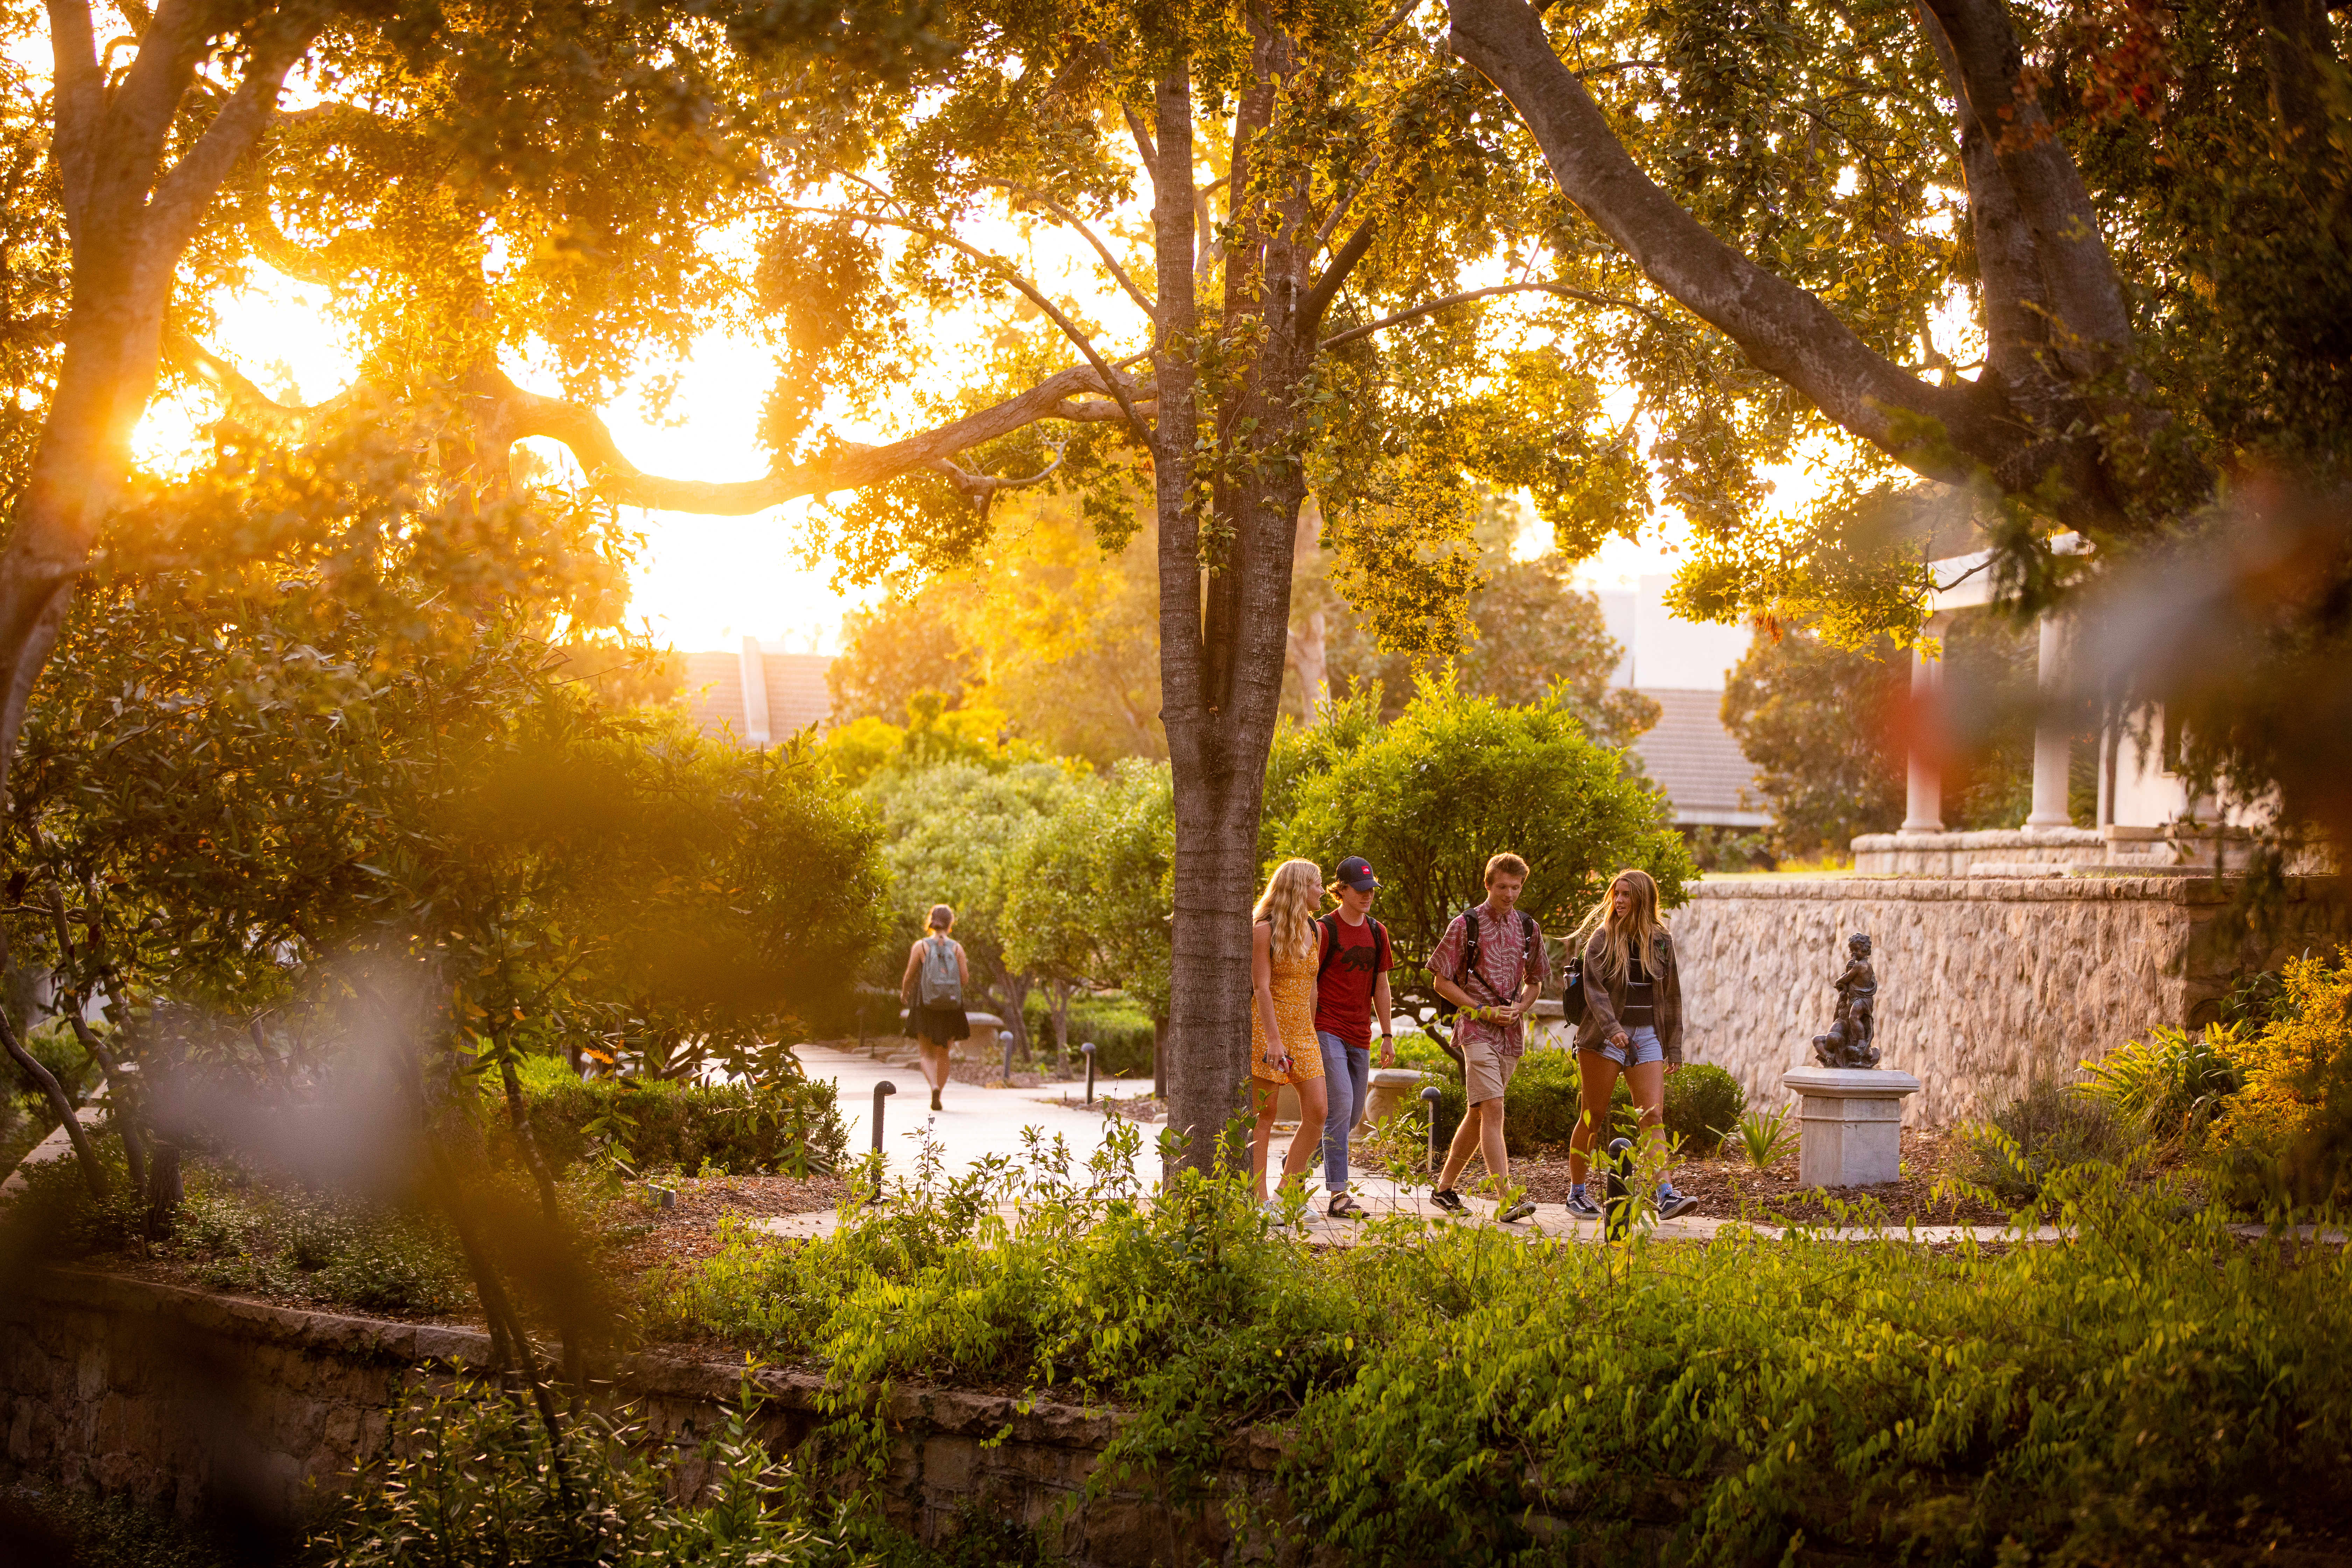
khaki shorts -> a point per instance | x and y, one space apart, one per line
1486 1073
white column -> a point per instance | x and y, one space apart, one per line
1923 807
755 694
2052 741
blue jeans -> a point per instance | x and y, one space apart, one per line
1346 1070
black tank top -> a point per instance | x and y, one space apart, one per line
1640 996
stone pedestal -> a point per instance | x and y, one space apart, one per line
1852 1121
1391 1089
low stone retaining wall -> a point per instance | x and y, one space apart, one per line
201 1405
1982 984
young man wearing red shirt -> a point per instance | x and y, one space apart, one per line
1351 994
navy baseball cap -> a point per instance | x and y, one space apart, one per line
1356 872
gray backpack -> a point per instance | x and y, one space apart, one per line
940 984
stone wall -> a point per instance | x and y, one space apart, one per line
201 1405
1982 984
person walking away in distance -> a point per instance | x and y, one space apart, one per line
936 977
1281 1017
1351 994
1633 1025
1491 965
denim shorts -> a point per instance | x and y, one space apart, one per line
1647 1047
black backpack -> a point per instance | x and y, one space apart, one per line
1330 924
1445 1008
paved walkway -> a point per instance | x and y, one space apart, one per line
976 1122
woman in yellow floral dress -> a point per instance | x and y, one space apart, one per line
1282 1016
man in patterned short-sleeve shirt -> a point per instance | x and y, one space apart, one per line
1491 1029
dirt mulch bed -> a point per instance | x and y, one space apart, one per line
689 1232
1729 1189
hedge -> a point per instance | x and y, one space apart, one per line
789 1126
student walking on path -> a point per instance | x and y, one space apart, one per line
936 977
1490 965
1633 1025
1351 993
1282 1015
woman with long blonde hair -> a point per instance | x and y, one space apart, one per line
1283 1049
1633 1025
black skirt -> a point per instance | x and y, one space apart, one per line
941 1026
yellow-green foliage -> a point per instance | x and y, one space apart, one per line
1456 1394
2171 1083
2287 1134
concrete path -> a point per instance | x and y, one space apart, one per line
1550 1223
976 1122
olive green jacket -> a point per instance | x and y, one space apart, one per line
1603 1003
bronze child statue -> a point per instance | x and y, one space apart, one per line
1848 1043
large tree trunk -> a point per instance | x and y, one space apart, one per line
1223 630
129 219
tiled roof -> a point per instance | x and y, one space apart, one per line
1694 759
797 697
714 691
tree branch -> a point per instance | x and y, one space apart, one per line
1035 296
1326 288
1134 291
182 194
1431 306
1943 432
1143 145
847 468
613 476
80 88
244 404
2092 322
140 109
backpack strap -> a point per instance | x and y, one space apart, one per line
1330 924
1381 947
1470 947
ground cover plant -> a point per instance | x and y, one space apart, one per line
1457 1393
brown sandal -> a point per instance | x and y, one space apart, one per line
1346 1207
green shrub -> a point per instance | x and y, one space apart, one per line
2046 1129
1703 1103
1121 1029
1451 1393
790 1125
2286 1138
2171 1084
1540 1106
467 1479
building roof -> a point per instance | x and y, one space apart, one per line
790 686
1694 759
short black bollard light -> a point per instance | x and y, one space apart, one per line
1089 1049
1620 1204
1006 1035
1430 1096
881 1091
